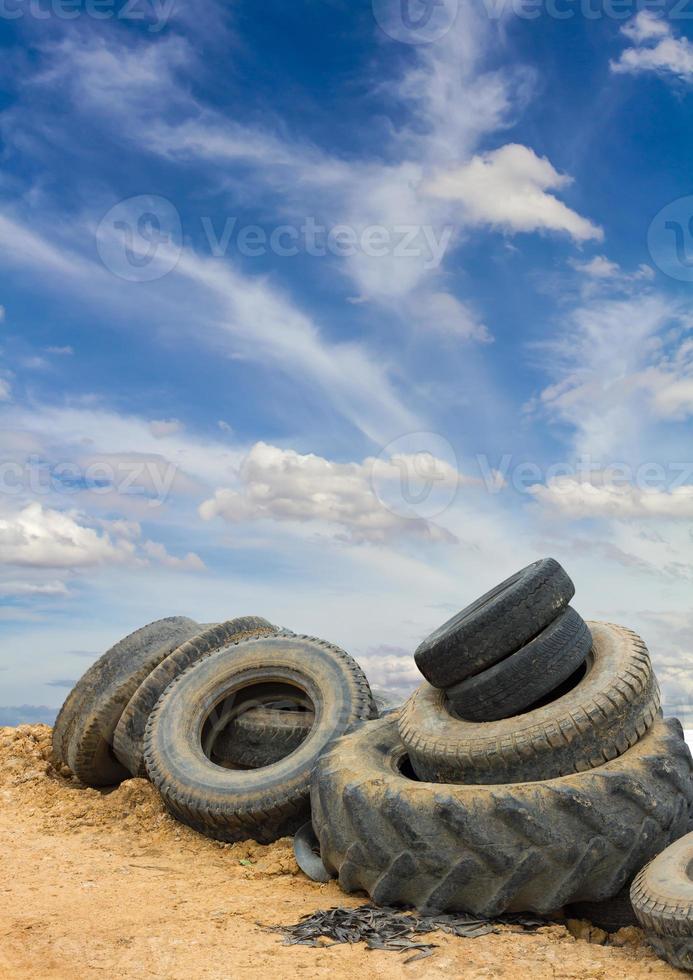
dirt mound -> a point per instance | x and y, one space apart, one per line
105 882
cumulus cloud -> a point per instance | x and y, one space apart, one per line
655 48
283 485
41 537
507 189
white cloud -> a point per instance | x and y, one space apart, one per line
646 26
599 267
160 428
66 351
2 314
612 375
507 188
283 485
189 563
41 537
443 313
579 499
5 391
51 588
656 49
445 103
37 536
392 668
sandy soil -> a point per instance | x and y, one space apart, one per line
99 884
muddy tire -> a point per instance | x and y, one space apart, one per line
607 711
262 736
662 897
83 731
262 804
495 625
489 849
611 915
128 738
525 677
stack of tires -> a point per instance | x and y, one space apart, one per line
531 770
226 720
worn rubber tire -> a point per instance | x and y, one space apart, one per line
677 950
267 803
495 625
83 730
128 739
490 849
602 716
525 677
662 897
610 915
262 736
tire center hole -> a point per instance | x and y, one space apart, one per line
235 732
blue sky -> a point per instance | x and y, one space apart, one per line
338 313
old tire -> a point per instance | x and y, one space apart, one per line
662 897
262 804
495 625
489 849
83 730
601 717
262 736
128 738
610 915
525 677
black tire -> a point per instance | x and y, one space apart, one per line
662 897
128 738
607 711
262 736
83 730
525 677
262 804
527 847
495 625
610 915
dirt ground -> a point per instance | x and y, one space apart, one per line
103 884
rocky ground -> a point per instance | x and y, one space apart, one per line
98 884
